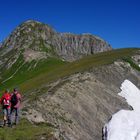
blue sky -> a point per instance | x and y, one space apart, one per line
116 21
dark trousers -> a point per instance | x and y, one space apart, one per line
14 115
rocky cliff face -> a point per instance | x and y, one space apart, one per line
76 46
78 106
41 37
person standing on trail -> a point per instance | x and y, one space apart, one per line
15 106
6 106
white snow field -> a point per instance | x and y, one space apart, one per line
125 124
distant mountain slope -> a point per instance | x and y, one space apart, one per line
41 37
30 75
32 45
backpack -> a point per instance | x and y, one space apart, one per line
14 100
6 100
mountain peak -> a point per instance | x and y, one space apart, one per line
31 21
41 37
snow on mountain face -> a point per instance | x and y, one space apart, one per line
132 95
125 124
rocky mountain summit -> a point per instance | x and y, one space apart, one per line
39 37
33 41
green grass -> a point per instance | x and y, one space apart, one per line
26 130
131 62
28 71
53 69
77 66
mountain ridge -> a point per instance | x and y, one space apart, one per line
67 46
33 41
82 102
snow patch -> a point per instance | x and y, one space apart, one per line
132 94
125 124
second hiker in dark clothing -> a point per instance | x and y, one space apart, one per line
15 106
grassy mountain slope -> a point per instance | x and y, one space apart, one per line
34 74
78 66
26 71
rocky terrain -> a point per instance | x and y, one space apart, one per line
42 38
33 41
78 106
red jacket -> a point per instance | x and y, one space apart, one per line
5 100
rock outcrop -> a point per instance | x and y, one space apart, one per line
136 58
41 37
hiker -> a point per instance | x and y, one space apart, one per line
15 106
6 106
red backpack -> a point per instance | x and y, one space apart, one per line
6 100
